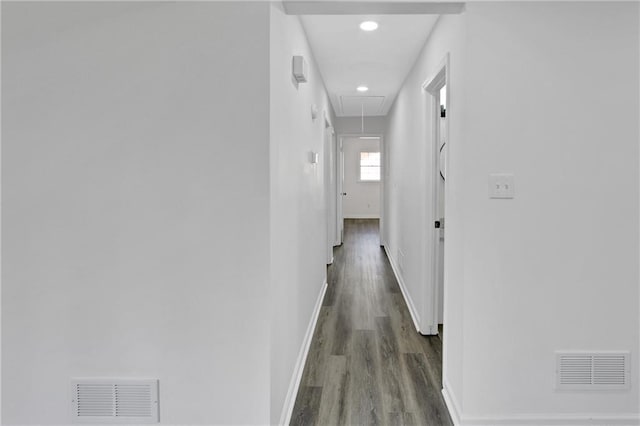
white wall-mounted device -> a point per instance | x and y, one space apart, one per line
299 69
314 157
314 112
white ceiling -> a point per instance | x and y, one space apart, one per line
380 59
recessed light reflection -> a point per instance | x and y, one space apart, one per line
369 26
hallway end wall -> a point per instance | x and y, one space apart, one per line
363 198
298 215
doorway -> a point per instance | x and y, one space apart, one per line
439 91
359 179
330 188
441 153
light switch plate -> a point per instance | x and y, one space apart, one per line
501 185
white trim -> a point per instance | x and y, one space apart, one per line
296 378
340 183
327 121
432 295
331 214
339 190
362 216
412 309
451 402
581 419
385 7
552 420
359 166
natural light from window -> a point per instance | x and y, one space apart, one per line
370 166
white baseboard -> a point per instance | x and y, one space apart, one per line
552 420
451 402
407 298
294 385
542 419
362 216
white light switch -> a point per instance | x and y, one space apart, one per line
501 185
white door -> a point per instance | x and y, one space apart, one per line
330 190
441 145
340 193
439 90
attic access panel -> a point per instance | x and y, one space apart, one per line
353 106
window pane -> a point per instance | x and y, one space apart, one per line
370 166
370 159
370 173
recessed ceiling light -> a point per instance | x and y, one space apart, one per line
369 26
362 88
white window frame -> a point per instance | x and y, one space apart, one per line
360 167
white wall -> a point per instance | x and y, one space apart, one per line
409 155
136 206
363 198
408 207
298 211
539 273
582 267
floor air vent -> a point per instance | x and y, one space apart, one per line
114 401
592 370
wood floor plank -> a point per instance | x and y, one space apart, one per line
428 398
367 365
333 405
402 419
305 411
320 349
364 401
343 325
395 392
405 330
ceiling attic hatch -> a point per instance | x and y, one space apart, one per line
355 106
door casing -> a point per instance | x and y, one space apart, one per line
340 182
432 86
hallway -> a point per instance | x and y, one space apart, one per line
367 365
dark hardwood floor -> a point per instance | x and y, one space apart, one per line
367 365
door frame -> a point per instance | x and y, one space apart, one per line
432 87
330 189
340 181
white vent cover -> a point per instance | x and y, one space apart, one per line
114 400
592 370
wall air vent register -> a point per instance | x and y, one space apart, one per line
109 401
604 370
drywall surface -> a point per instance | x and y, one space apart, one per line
539 273
298 203
409 211
363 198
135 206
354 125
542 265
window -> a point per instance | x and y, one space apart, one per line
370 166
